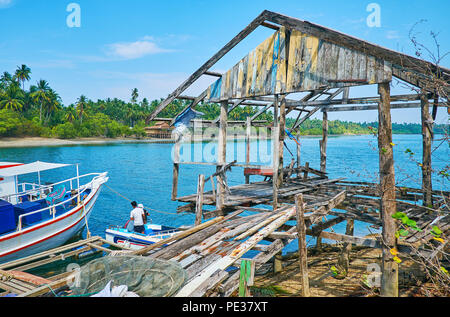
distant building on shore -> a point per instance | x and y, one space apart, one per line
161 130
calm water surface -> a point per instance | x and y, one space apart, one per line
143 172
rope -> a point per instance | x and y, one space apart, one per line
126 198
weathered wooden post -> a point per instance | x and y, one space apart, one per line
389 278
302 251
248 132
276 151
349 230
426 150
323 143
221 155
199 199
281 135
176 168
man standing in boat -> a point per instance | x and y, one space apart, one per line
138 217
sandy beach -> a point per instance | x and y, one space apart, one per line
36 141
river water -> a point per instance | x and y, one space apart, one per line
143 171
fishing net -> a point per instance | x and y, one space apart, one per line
144 276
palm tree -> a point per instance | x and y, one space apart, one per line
81 107
23 74
53 103
6 79
40 95
12 98
134 95
71 114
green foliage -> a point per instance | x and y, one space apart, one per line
9 122
40 112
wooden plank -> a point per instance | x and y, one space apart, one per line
178 236
246 278
238 252
352 43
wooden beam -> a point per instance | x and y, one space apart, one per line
206 66
405 105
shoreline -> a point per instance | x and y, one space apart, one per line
24 142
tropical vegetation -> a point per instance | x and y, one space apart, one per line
39 111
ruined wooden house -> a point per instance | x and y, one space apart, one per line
302 57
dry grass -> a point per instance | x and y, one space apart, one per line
323 283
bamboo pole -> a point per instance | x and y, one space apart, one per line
389 279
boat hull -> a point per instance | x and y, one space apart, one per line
53 232
135 241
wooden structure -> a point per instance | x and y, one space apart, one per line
161 130
323 64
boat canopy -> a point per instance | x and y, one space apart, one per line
29 168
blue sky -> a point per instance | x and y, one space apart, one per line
156 45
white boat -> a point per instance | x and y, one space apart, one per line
36 217
128 239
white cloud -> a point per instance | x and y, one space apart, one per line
392 35
133 50
5 3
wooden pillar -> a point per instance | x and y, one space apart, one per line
349 231
221 154
248 132
302 251
426 150
176 168
278 146
276 151
281 135
298 155
323 143
278 263
389 278
199 199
